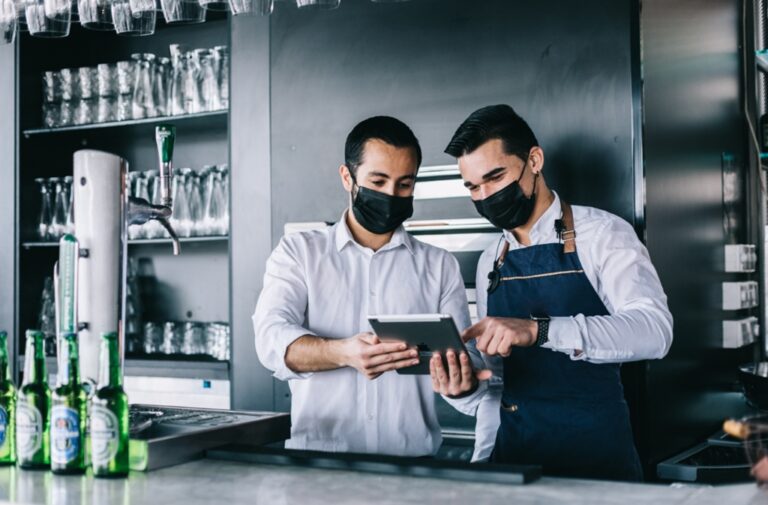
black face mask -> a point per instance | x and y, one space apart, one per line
508 208
379 212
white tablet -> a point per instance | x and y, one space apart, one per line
427 332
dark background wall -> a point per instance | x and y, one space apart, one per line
693 117
565 66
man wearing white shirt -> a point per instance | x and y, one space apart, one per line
319 287
566 295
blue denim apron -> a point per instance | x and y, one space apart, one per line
568 416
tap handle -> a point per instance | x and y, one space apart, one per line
165 135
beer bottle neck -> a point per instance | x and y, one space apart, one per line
5 370
70 372
34 359
109 367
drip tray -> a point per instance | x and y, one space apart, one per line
719 460
165 436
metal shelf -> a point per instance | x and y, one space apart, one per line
203 118
146 241
158 367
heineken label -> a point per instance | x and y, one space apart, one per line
3 425
65 434
29 429
105 431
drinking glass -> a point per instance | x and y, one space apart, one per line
7 21
172 338
194 339
134 17
318 4
48 18
160 85
224 197
61 201
68 86
195 203
209 85
46 210
46 319
95 14
182 12
221 66
85 107
153 338
143 87
51 99
246 7
125 83
193 101
181 219
106 88
179 69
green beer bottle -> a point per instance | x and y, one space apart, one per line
109 414
69 413
33 408
7 406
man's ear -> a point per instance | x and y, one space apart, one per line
346 178
536 159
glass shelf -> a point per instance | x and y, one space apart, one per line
171 366
148 241
202 119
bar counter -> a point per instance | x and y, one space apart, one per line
209 481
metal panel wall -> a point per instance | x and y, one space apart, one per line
251 241
8 190
692 110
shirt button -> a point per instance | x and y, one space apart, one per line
510 408
370 417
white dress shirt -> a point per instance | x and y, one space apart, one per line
619 268
324 283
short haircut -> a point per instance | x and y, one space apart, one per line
490 123
387 129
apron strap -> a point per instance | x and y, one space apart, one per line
568 231
565 230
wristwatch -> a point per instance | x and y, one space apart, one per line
542 337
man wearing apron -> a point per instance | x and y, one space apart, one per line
566 295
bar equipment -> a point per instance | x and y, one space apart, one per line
90 274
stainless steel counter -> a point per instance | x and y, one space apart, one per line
207 481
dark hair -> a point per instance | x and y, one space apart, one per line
490 123
388 129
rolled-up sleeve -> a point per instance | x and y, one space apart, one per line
281 310
639 326
454 302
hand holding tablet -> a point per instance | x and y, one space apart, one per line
428 333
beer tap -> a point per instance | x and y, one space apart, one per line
139 210
91 271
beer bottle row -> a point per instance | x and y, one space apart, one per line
42 428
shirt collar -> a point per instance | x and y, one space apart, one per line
343 237
543 231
